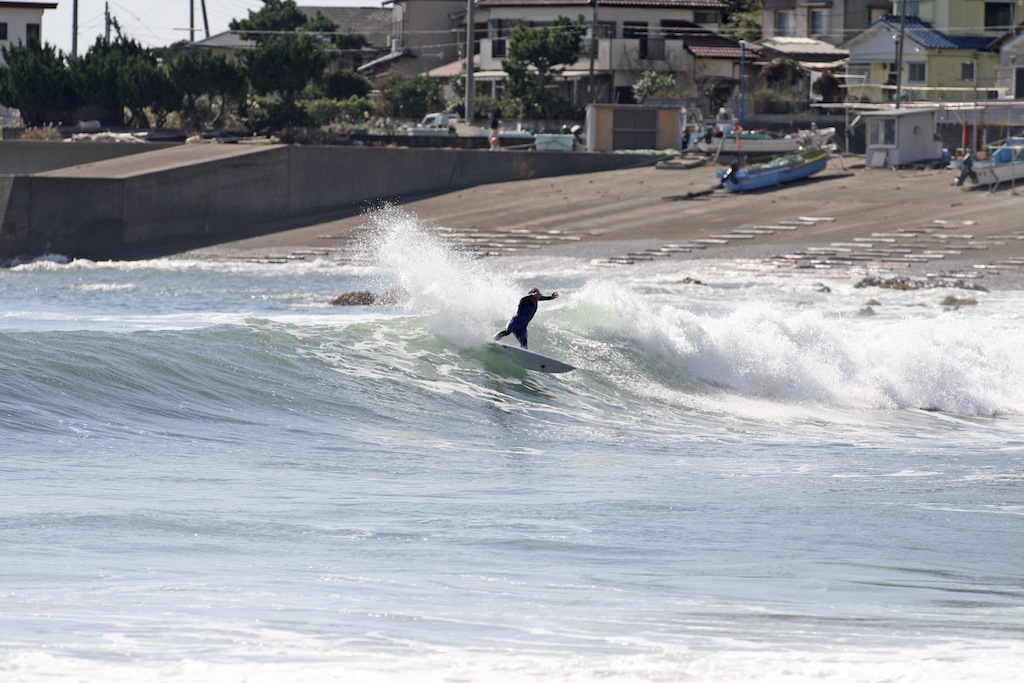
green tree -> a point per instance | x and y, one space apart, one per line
95 76
743 20
413 97
275 17
36 81
652 84
829 87
142 85
284 65
345 84
543 49
197 74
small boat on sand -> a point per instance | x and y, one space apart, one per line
784 168
754 143
1004 164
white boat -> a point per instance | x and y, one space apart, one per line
554 142
735 142
1004 164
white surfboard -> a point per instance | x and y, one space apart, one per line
531 360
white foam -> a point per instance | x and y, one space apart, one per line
708 660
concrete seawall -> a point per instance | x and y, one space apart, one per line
20 157
139 204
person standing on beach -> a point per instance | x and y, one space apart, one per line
493 116
967 166
527 309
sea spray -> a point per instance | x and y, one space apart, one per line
764 350
465 299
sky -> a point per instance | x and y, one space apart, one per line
155 23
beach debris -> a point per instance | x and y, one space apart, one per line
391 297
953 303
360 298
896 282
904 283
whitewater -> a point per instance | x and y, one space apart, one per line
209 473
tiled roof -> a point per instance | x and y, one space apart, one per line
701 42
662 4
801 48
226 39
922 33
714 51
373 66
372 22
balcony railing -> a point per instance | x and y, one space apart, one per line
654 53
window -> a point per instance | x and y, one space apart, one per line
706 17
817 22
966 71
3 30
882 131
638 30
656 46
785 23
605 31
916 73
998 16
32 33
913 8
500 30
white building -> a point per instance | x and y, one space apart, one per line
21 22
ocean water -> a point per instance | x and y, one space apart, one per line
207 473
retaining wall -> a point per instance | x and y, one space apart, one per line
38 156
178 197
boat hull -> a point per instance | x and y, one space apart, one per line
1004 165
748 144
774 174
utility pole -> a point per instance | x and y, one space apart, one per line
593 53
470 88
74 29
191 21
899 52
106 21
206 22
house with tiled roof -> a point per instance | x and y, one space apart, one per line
424 34
373 23
935 64
624 39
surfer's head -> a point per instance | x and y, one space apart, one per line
533 291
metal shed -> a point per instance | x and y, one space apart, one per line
899 137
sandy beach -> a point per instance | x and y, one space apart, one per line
911 222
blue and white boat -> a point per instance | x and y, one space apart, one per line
784 168
1004 164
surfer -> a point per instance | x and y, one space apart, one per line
527 309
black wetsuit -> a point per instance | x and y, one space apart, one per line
517 325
